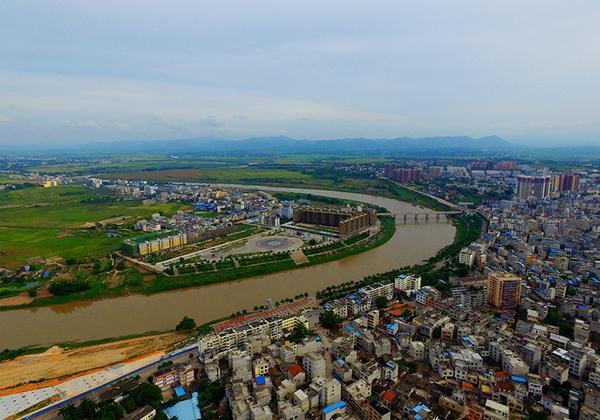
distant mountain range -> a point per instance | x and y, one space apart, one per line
406 146
278 145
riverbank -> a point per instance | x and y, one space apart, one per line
46 366
163 283
412 243
468 229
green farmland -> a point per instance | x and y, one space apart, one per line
48 222
223 174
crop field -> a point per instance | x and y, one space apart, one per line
224 174
5 179
130 163
47 222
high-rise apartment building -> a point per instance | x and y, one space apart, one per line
537 186
506 165
565 182
504 290
435 171
404 175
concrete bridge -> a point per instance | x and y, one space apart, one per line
421 215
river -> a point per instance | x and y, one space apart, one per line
88 320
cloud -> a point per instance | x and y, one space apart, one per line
85 124
310 69
121 126
5 119
210 121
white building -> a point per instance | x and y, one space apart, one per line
495 411
331 392
314 365
417 350
372 292
407 283
467 257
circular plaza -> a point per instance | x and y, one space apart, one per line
273 244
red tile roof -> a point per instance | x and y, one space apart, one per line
388 396
295 370
501 374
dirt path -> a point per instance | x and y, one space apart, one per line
58 363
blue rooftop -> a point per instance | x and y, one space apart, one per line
518 379
420 407
185 410
260 380
350 328
333 407
469 340
179 391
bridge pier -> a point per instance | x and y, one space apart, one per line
427 216
437 217
416 217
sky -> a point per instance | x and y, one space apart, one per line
83 71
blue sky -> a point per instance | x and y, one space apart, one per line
79 71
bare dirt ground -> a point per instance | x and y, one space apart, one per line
59 363
21 299
299 257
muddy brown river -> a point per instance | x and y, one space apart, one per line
87 320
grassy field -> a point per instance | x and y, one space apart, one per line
128 163
223 174
5 179
105 164
47 222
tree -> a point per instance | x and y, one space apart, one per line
71 261
97 268
88 409
437 332
381 302
299 333
146 394
537 415
109 410
69 412
461 270
406 314
330 320
65 287
186 324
